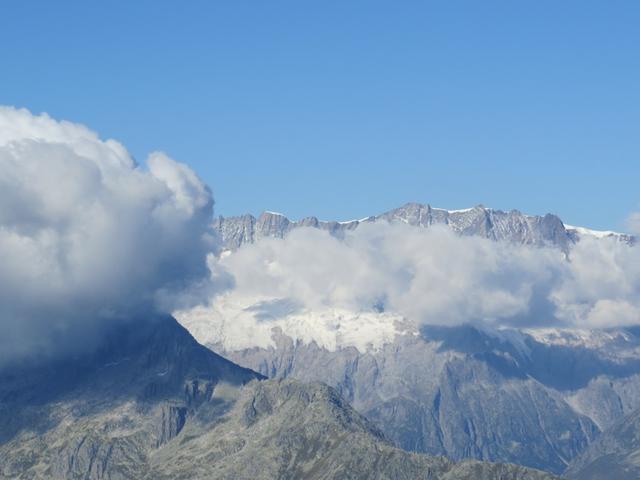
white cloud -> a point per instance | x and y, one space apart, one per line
86 235
633 223
601 287
429 276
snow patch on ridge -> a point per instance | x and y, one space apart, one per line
616 344
593 233
461 210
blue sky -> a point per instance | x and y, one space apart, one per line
343 109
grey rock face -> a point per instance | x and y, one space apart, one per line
463 393
615 455
237 231
493 224
512 226
153 404
287 430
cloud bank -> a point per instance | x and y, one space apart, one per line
429 276
87 236
633 223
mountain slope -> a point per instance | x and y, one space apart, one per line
466 393
154 404
102 413
615 455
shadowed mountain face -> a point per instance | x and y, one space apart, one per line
154 404
565 368
103 412
513 226
148 360
615 455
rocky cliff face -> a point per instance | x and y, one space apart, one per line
287 430
513 226
154 404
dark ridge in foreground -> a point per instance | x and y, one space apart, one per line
154 404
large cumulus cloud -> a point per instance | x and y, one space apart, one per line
433 276
88 236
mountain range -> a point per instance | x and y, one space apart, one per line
549 398
463 392
514 226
